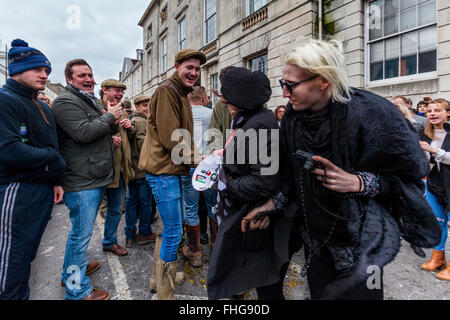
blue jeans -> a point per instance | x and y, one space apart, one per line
191 197
442 218
190 200
83 207
114 201
139 199
167 192
210 196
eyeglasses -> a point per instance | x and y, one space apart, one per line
290 86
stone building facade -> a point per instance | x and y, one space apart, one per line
131 75
392 47
3 64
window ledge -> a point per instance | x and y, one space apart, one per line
255 18
403 80
209 47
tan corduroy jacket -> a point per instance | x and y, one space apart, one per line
122 155
169 110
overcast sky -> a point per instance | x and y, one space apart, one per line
102 32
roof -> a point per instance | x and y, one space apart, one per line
148 11
55 87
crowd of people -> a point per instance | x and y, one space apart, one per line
355 174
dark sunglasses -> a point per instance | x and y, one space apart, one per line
290 86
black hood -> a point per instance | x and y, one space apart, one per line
246 90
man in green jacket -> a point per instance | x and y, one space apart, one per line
86 145
139 196
167 155
112 92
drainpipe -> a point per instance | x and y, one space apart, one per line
320 19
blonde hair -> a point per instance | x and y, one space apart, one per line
429 128
405 111
325 58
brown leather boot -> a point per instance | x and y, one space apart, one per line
213 230
444 274
145 240
192 250
436 262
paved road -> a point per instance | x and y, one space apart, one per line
126 278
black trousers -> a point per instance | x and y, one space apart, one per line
26 209
321 273
202 213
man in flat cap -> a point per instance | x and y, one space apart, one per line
31 169
111 94
85 135
170 110
139 196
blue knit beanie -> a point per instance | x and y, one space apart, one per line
22 58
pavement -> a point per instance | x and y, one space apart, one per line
127 277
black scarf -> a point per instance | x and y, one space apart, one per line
316 131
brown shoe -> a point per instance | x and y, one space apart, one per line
148 239
437 261
444 274
117 250
90 269
97 295
129 242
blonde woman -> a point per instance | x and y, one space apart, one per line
348 169
436 143
400 104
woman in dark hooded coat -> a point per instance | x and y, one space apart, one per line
242 261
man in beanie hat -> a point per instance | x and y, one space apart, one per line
139 196
31 169
111 95
170 110
85 135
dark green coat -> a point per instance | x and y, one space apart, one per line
85 140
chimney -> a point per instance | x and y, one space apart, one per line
140 54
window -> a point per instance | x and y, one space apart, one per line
182 34
258 64
164 54
149 31
402 38
150 64
214 87
210 20
255 5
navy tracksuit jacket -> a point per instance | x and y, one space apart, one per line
30 166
